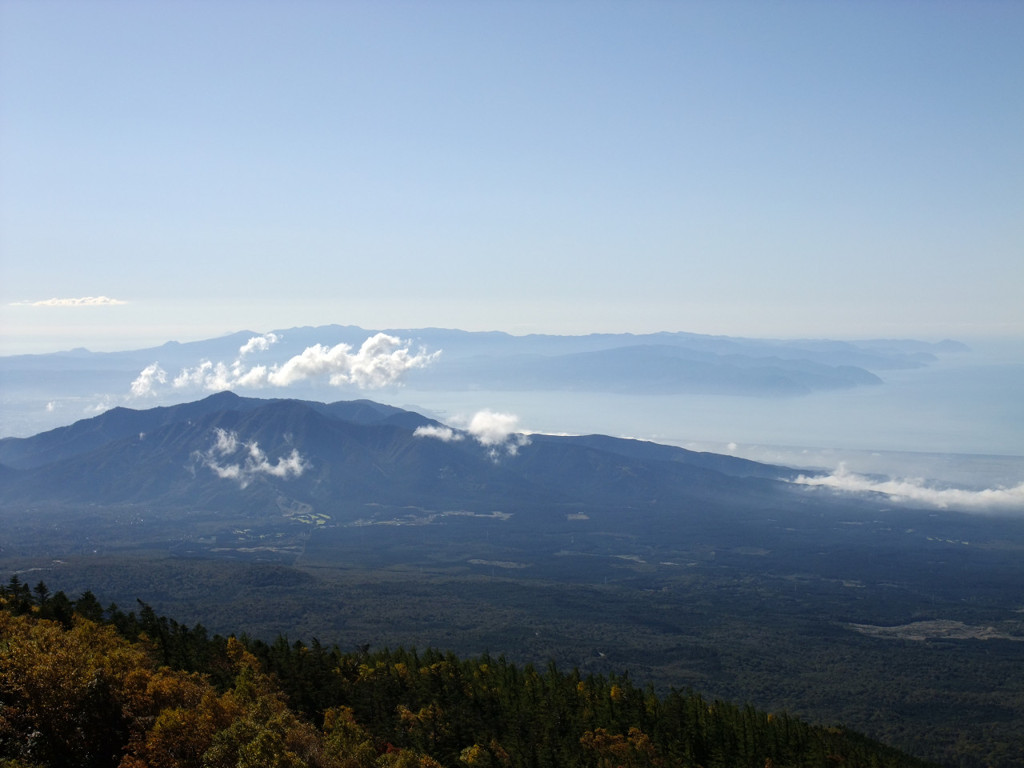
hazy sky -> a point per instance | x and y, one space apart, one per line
843 169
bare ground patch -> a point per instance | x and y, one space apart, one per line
937 629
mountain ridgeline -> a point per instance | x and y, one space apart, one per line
40 390
229 453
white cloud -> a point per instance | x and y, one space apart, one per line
223 459
492 428
258 344
85 301
214 377
445 434
147 378
497 431
227 442
254 377
314 361
916 491
380 361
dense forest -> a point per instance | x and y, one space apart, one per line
84 685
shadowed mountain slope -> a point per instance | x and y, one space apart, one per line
242 453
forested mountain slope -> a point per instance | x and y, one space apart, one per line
80 686
231 453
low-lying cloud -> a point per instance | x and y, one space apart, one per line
380 361
232 459
495 431
145 383
916 491
442 433
258 344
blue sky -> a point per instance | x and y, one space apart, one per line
763 169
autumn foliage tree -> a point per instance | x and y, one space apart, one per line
84 696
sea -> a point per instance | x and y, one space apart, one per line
957 422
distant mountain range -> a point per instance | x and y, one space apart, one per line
258 457
659 362
330 362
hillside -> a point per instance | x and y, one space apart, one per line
123 690
233 454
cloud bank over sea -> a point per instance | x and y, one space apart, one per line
916 491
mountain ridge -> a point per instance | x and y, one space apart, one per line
326 454
329 362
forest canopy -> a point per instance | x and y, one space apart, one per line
81 685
